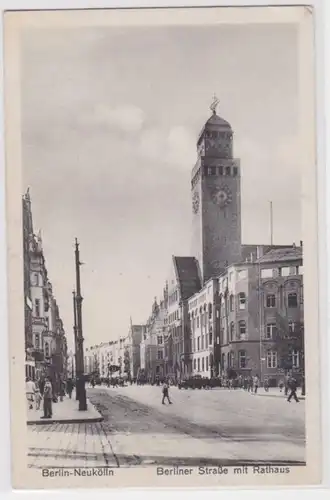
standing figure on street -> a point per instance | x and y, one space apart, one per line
292 385
38 395
286 385
166 394
266 384
62 389
30 389
256 384
69 387
48 397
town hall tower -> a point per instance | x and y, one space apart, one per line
216 199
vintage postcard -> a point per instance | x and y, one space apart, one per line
162 243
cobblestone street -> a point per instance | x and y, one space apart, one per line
200 428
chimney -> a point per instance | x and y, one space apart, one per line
301 243
293 245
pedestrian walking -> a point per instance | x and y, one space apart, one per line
266 384
30 389
166 394
48 397
69 387
281 385
256 384
293 385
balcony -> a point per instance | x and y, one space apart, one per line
39 320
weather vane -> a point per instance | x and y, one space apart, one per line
214 104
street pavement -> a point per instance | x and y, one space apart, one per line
200 428
64 411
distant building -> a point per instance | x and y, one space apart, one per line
135 337
152 346
184 281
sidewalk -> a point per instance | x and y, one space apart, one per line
66 411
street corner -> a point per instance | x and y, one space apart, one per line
66 411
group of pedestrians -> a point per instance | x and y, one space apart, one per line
43 390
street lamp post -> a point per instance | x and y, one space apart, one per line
75 331
80 382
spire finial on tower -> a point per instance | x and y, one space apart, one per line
214 104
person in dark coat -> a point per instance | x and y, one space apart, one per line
293 385
69 387
166 394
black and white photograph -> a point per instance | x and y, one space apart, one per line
161 249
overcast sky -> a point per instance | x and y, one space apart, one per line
110 121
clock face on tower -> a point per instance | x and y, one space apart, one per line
222 196
195 202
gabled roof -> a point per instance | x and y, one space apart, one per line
282 255
187 274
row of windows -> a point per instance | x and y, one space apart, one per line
271 359
37 345
227 171
200 343
201 364
213 134
173 316
241 330
281 271
199 322
292 300
271 329
200 311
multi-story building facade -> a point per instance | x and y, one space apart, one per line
135 337
152 347
45 336
183 282
27 236
255 310
203 313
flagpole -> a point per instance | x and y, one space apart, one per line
271 222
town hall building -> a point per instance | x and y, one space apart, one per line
220 293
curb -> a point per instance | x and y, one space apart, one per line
48 421
74 420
